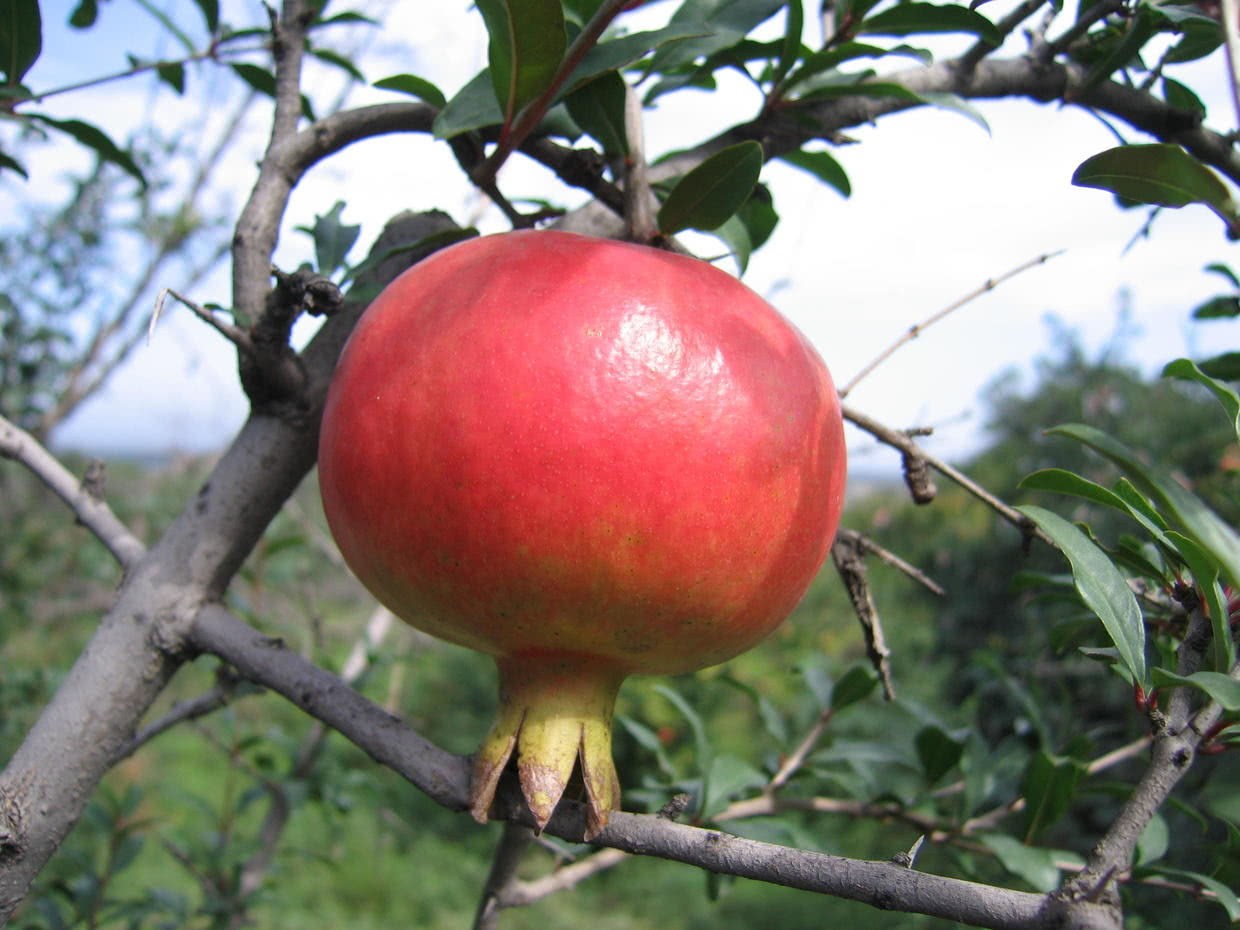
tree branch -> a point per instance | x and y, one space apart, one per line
445 778
86 502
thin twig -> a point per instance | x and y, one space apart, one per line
513 842
520 893
1005 27
917 328
90 509
903 443
237 336
886 555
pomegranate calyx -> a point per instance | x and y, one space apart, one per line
555 710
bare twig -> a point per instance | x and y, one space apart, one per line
90 509
513 842
225 690
917 328
238 337
902 442
1005 27
521 893
847 554
885 555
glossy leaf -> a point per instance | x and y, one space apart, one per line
790 46
473 107
1060 481
1196 519
414 86
1185 370
749 227
21 39
823 166
1182 97
95 138
1158 173
598 108
1218 686
913 18
1225 272
339 61
1101 586
527 43
713 191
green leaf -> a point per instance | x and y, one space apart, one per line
598 108
12 164
173 74
1225 897
339 61
1048 787
169 24
721 24
1060 481
258 78
1102 587
1197 520
729 777
912 18
1225 272
1223 307
954 103
473 107
1033 865
527 43
1218 686
1225 366
1185 370
84 15
823 166
790 47
700 739
332 239
21 39
1198 38
95 138
1182 97
210 10
618 54
414 86
749 227
1153 842
1157 173
855 686
939 752
713 191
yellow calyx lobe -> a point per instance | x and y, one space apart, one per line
555 709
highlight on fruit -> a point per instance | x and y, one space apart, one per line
588 459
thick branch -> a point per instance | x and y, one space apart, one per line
445 777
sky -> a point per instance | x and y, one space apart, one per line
939 205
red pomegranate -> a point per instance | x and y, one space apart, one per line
588 459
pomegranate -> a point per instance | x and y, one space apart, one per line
588 459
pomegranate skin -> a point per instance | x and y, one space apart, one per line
576 453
